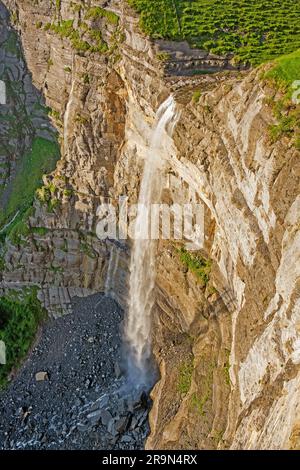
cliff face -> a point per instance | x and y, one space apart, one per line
244 384
23 119
227 347
83 93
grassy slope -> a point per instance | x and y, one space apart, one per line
254 30
19 321
283 75
286 69
41 159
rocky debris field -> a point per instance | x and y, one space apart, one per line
71 392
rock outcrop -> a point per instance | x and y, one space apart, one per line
228 346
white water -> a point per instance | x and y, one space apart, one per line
111 271
142 268
67 117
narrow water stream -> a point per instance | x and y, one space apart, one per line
142 267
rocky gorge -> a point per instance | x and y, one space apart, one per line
225 338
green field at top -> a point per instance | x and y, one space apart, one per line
286 69
255 31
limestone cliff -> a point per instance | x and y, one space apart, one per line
228 346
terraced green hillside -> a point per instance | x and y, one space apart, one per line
254 30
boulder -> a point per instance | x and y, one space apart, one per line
41 376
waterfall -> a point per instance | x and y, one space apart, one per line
111 271
142 268
67 120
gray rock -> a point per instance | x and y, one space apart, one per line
102 402
127 439
142 418
83 427
41 376
113 440
112 427
78 402
118 371
106 417
87 383
134 423
122 424
138 403
95 416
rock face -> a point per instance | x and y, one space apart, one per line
23 118
227 349
246 366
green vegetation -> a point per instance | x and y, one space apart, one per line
65 29
200 266
185 376
227 368
76 8
41 231
14 17
288 124
196 96
199 401
19 321
39 160
2 263
46 195
12 45
56 269
97 12
55 115
163 56
68 192
86 78
217 435
19 230
286 69
87 250
284 77
254 30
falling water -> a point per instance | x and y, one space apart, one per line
111 271
67 120
142 272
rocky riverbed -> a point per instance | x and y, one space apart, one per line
71 392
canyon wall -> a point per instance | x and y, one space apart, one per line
228 345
